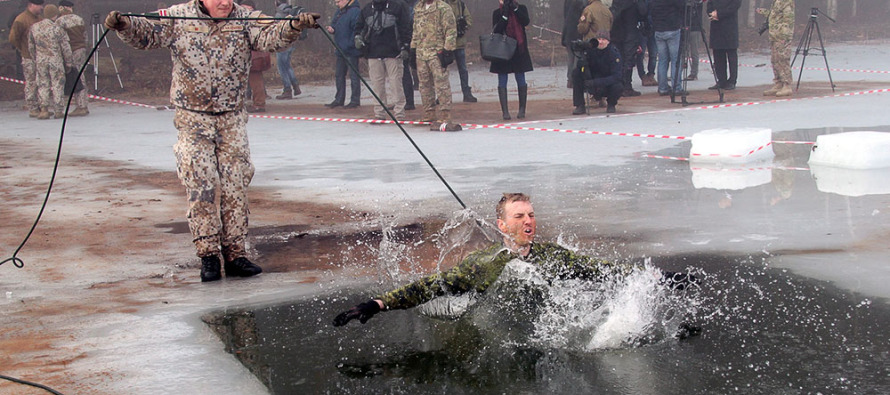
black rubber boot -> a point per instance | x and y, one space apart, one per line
241 267
210 268
502 96
468 96
523 95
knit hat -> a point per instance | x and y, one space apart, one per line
50 11
603 34
66 3
38 2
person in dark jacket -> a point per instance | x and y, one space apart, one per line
598 73
725 41
383 34
626 36
510 19
667 19
343 28
571 14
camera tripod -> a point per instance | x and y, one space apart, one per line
692 22
804 46
97 30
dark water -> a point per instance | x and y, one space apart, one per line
764 331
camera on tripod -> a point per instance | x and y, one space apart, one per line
583 45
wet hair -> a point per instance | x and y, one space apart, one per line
510 198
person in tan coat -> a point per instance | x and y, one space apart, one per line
18 37
595 17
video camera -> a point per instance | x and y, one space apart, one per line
583 45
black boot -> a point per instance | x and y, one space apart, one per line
210 268
468 96
502 96
523 95
241 267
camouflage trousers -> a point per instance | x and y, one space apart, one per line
213 157
780 46
80 98
434 84
51 84
29 68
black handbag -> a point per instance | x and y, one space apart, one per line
497 47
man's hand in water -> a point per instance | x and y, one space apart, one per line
363 312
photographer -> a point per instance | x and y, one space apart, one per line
463 21
780 23
598 73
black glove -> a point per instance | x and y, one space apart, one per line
363 312
404 54
446 57
115 21
591 85
305 20
679 280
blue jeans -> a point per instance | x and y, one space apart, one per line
460 57
340 80
668 44
288 78
520 79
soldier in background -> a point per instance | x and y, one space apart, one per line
18 37
48 45
434 39
75 27
211 58
463 21
781 31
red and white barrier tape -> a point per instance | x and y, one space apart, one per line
749 153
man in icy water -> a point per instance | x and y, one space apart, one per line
478 271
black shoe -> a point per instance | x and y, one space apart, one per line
715 87
256 109
241 267
210 268
579 110
630 93
333 104
680 93
664 93
354 105
611 109
469 98
409 107
729 87
691 77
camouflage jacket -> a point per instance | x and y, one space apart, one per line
18 32
781 18
434 29
211 58
74 26
47 42
481 269
595 17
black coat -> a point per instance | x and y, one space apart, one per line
521 62
627 14
385 25
725 31
571 10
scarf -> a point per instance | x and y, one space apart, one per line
514 29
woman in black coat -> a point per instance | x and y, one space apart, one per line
510 19
725 40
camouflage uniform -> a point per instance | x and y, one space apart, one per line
481 269
595 17
48 45
18 37
75 27
434 30
781 31
210 67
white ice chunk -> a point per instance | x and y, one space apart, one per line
731 178
741 145
852 150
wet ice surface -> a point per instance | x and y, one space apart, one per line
796 297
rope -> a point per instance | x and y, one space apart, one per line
14 259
